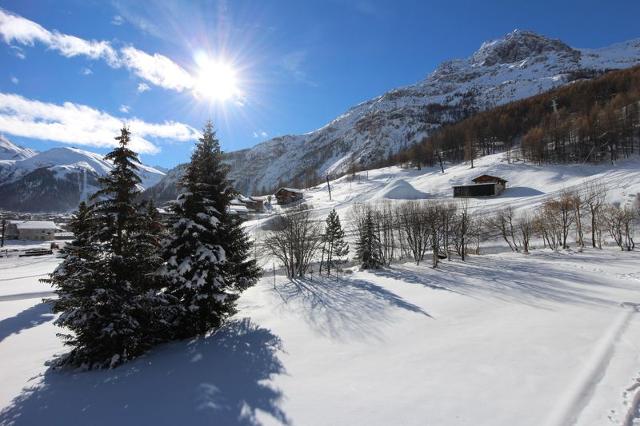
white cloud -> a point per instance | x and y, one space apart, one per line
157 69
117 20
82 125
260 134
143 87
86 71
154 68
15 80
16 29
124 109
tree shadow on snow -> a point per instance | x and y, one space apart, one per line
216 380
29 318
344 308
511 280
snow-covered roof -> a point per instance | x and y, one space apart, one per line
299 191
36 224
234 209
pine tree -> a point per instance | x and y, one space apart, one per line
106 285
207 250
334 246
72 279
368 248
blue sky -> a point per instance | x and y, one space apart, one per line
297 64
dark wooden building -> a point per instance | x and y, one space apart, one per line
288 195
483 186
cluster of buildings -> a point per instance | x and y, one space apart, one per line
31 230
243 205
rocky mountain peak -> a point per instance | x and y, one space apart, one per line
519 45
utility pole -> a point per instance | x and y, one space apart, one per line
274 275
329 187
4 227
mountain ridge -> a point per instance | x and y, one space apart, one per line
56 179
519 65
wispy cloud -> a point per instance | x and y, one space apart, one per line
15 79
293 63
86 71
82 125
155 69
124 109
18 52
260 134
117 20
143 87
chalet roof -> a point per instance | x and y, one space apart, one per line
36 224
489 177
297 191
473 184
234 209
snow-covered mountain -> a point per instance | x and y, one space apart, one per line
12 152
56 179
517 66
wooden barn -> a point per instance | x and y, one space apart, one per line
288 195
255 203
483 186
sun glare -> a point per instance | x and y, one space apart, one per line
216 80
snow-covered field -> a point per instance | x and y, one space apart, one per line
504 339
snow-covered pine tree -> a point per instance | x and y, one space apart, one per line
368 249
72 280
207 252
334 245
240 267
109 313
158 307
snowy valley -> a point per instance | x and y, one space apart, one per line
458 251
503 338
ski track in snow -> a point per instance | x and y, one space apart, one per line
26 296
578 395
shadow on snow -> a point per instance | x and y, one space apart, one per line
29 318
219 379
342 307
511 280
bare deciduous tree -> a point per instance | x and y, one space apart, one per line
294 240
594 197
620 224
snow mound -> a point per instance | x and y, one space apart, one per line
400 189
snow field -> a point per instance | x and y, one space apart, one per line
499 340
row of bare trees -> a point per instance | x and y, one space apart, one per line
436 229
573 215
413 229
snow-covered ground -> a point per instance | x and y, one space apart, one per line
503 339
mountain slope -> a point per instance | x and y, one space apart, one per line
57 179
12 152
517 66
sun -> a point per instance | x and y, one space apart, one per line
215 80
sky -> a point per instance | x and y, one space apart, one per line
72 72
